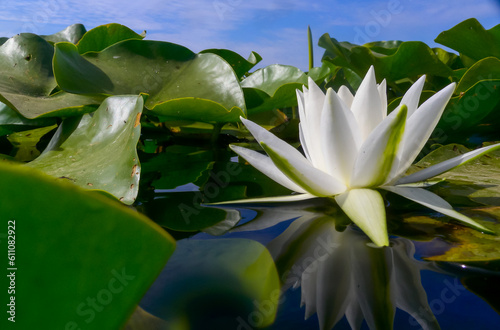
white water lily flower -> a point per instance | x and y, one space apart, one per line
353 147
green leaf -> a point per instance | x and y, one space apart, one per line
72 33
231 278
88 253
11 121
165 71
485 69
477 181
238 63
410 60
471 39
177 166
27 81
467 110
25 143
181 211
104 36
273 87
471 245
101 152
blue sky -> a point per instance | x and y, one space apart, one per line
276 29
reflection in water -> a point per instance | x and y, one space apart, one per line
343 273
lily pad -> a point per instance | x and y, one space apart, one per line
227 284
273 87
478 180
100 153
11 121
104 36
410 60
72 33
238 63
199 85
471 245
27 80
471 39
83 250
25 143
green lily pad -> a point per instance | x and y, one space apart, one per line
199 85
227 284
485 69
409 61
104 36
72 33
471 39
11 121
471 245
100 153
469 109
273 87
25 143
82 250
27 81
478 180
238 63
181 211
177 166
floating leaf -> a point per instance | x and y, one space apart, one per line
101 152
104 36
224 284
88 253
471 245
485 69
25 143
72 33
273 87
468 109
180 84
471 39
478 180
409 61
11 121
238 63
181 211
27 81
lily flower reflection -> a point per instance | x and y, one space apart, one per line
343 273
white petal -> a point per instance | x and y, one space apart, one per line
265 165
433 201
447 165
382 90
293 164
412 95
276 199
340 132
366 104
303 142
365 207
419 127
346 96
378 154
313 101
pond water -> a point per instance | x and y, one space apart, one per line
220 276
